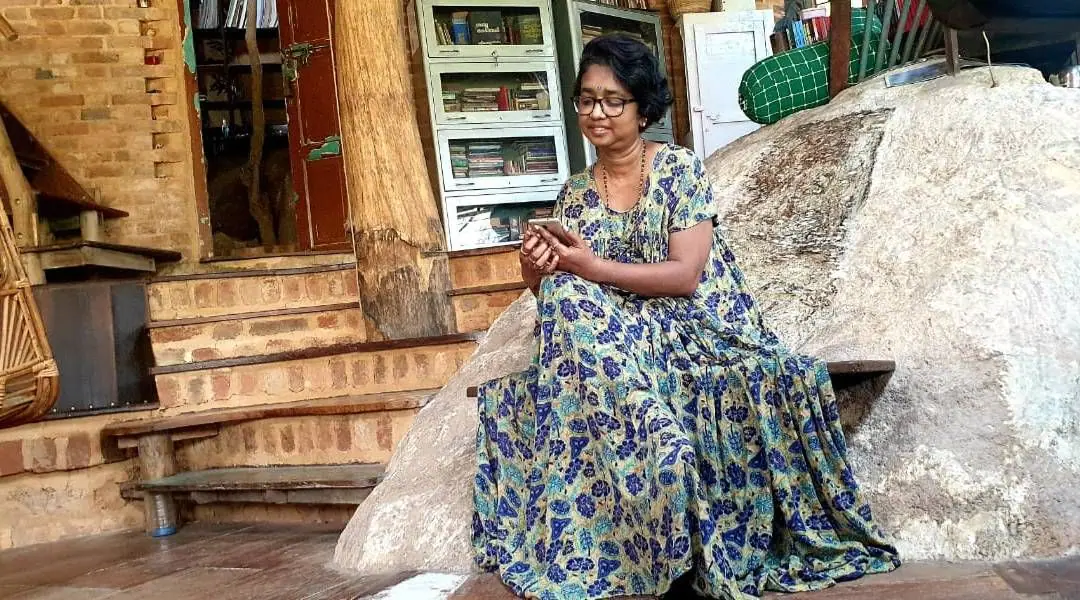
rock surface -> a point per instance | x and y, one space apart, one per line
935 224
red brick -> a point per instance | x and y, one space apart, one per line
269 441
227 331
307 442
271 291
251 291
360 372
423 364
277 326
250 443
292 289
204 294
380 368
168 390
288 441
41 453
166 335
296 379
55 13
324 434
344 436
195 390
222 385
384 433
11 458
78 451
351 289
248 383
401 366
315 285
226 293
328 321
338 376
201 354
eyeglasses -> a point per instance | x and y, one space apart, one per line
611 107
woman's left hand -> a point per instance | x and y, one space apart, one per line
574 254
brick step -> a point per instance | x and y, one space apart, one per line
477 307
184 341
234 293
321 372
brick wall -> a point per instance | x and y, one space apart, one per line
77 76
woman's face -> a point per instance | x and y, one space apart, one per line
601 92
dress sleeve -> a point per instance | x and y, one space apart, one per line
694 201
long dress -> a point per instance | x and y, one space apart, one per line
652 437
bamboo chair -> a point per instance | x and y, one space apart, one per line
29 380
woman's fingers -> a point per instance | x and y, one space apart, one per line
550 239
553 263
539 253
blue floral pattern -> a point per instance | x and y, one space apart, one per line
652 437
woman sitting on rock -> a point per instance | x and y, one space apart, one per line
662 428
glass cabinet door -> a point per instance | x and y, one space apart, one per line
477 223
477 93
483 159
497 28
644 27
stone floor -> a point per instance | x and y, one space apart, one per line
291 563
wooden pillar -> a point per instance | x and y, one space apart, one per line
19 194
396 228
156 460
839 46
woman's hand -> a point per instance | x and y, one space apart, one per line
537 259
572 255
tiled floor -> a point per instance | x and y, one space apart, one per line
291 563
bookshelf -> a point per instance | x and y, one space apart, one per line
223 73
496 109
577 22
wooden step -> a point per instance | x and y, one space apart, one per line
308 484
180 426
338 370
477 307
86 253
233 294
185 341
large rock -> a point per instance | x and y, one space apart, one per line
935 224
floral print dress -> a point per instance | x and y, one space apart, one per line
652 437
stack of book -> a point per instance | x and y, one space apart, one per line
812 28
532 96
588 32
485 159
538 157
480 99
236 17
459 160
450 101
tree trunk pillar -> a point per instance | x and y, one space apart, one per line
402 271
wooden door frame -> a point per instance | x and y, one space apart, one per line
198 163
194 120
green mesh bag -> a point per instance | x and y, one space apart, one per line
786 83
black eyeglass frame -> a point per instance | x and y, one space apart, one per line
576 100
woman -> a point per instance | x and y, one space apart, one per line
662 429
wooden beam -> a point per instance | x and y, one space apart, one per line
19 194
393 212
7 31
952 51
839 46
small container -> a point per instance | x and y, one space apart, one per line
161 518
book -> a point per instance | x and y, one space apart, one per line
486 27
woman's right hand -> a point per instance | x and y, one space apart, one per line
537 259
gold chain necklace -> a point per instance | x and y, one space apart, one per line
641 180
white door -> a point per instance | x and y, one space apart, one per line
722 52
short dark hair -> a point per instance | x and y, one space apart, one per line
635 66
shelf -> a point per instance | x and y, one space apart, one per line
233 33
273 66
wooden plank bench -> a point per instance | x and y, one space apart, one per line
844 373
161 484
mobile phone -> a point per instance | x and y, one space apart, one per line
554 226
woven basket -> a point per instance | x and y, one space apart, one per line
682 7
